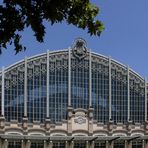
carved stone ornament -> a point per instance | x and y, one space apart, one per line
79 48
80 120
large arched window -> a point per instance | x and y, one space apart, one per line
114 91
100 88
137 99
36 89
14 93
119 95
80 82
58 86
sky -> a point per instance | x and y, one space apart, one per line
124 39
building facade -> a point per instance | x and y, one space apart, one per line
72 98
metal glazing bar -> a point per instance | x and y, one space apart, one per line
90 80
69 77
128 94
145 99
55 89
110 87
3 91
47 83
25 89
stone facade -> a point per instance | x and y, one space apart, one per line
72 98
80 126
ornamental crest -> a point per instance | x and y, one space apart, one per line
79 49
80 120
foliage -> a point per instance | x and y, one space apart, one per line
16 15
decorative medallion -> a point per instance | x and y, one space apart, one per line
79 49
80 120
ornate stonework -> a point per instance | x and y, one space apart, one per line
72 98
80 120
79 48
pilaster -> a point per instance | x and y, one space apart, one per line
25 89
145 99
110 125
22 143
128 144
87 144
111 144
45 144
128 94
47 95
145 143
69 77
129 126
90 80
66 144
3 92
2 122
110 89
90 126
25 123
28 144
71 144
69 121
5 143
47 124
50 145
107 144
91 144
0 143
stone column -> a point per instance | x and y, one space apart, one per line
145 143
2 122
91 144
5 143
129 125
27 144
47 123
66 144
45 144
146 125
109 144
69 144
106 144
125 143
110 125
47 126
69 122
50 144
90 122
87 144
128 144
0 143
25 123
22 143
